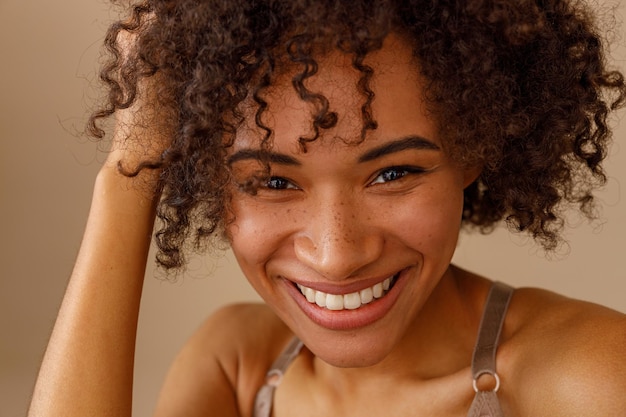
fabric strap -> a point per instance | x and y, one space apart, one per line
265 396
486 403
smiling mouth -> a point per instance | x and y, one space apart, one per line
351 301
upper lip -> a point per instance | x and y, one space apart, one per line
341 289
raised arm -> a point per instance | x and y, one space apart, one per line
87 369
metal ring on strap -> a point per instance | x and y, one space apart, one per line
495 375
274 377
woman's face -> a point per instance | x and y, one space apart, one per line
346 241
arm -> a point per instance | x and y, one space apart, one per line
202 379
572 361
221 368
88 365
589 377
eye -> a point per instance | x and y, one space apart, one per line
394 174
279 183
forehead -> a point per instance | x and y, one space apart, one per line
397 106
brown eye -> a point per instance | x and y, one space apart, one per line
278 183
394 174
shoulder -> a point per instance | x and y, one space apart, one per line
236 332
564 356
224 363
243 336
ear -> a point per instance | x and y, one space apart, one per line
470 174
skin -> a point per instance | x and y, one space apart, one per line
336 218
331 218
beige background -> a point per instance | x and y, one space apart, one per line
48 52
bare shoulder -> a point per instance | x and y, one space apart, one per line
220 368
564 357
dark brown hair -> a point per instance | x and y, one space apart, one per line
519 87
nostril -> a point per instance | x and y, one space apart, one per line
334 247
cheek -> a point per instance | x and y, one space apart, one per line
253 232
431 223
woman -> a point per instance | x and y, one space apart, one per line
338 147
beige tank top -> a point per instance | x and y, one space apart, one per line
485 403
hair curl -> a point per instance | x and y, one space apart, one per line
519 87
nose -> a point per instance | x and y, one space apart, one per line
338 240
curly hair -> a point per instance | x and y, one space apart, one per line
520 87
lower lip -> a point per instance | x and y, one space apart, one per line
349 319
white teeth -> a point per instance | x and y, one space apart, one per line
350 301
367 295
320 298
309 293
334 302
378 290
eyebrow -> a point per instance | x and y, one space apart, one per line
407 142
262 155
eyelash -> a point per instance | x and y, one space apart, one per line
403 172
288 184
280 183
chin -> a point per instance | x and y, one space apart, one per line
352 350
